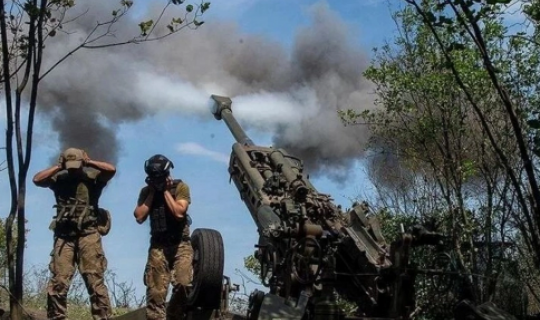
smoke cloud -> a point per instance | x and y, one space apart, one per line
293 95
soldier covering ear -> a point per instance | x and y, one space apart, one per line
166 202
77 183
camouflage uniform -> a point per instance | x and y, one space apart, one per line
87 253
169 257
77 241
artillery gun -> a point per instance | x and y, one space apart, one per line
309 249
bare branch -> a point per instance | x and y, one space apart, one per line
158 20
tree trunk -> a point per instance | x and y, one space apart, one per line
21 242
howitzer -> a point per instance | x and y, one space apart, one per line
309 249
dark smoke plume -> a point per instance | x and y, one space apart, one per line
294 95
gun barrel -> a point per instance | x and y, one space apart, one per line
222 111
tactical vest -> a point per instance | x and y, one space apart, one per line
165 229
76 206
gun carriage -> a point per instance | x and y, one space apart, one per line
308 248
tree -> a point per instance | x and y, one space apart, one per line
25 27
511 69
3 163
431 155
513 76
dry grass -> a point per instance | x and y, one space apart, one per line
33 312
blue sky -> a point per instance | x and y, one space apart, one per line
199 147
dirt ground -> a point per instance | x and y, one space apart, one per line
37 315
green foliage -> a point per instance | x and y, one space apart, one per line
191 18
392 223
424 108
205 6
145 26
63 3
534 123
126 3
512 48
252 265
31 9
30 26
431 157
532 10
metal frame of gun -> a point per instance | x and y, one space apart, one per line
309 249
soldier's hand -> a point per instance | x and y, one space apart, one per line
86 158
150 184
169 182
60 163
148 181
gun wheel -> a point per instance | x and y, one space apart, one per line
208 263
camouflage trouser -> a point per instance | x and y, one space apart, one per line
168 264
87 253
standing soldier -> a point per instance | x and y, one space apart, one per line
170 255
77 183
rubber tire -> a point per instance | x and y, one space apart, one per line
208 264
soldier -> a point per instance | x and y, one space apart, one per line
77 183
170 255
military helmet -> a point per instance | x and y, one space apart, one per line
158 165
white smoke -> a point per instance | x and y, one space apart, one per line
193 148
293 95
